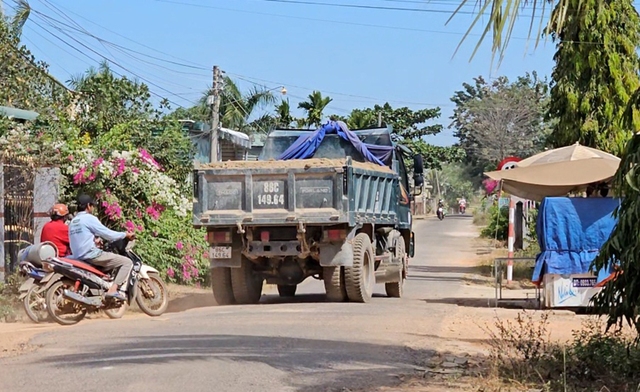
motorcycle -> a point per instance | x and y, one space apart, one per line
82 287
37 280
31 293
440 213
462 208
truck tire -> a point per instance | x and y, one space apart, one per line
334 284
360 278
247 286
221 285
287 290
395 289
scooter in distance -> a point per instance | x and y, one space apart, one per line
82 287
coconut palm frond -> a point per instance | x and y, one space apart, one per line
23 10
502 15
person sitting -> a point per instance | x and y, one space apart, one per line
83 229
56 230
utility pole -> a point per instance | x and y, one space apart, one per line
214 101
379 119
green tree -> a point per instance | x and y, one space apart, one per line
314 107
24 81
499 119
592 84
409 128
283 117
620 297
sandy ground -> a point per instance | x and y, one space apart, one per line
447 311
294 163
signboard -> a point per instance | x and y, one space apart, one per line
569 291
508 163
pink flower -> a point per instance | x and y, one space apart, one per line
170 272
78 178
119 163
138 213
140 228
155 233
179 245
70 157
153 213
135 170
97 162
147 158
186 274
113 211
130 226
92 177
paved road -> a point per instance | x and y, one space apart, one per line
307 345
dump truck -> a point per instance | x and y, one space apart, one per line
339 213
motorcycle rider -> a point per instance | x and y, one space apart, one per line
83 229
462 204
56 230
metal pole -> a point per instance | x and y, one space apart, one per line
511 239
379 119
215 114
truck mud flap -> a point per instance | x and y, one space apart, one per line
336 255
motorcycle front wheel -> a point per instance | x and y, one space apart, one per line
155 291
60 309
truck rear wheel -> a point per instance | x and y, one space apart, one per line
395 289
286 290
247 286
334 284
360 278
221 284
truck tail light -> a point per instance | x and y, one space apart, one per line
335 235
264 236
220 237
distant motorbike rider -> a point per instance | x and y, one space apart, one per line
462 204
83 229
56 231
440 203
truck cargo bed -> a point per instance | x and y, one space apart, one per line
312 191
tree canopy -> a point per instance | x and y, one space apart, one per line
497 119
592 83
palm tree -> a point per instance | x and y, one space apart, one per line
283 114
314 108
236 108
360 119
19 18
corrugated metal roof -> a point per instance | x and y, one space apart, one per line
18 114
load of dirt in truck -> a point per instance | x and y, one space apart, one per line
294 163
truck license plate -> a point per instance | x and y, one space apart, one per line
220 252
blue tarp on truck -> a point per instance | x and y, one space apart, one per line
571 232
306 145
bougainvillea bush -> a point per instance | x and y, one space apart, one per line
135 194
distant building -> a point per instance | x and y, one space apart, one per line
232 145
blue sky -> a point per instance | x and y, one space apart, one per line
357 56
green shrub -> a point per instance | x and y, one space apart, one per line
498 218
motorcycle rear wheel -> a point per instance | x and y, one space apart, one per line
157 287
55 297
35 305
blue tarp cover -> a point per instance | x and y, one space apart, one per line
571 232
306 145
